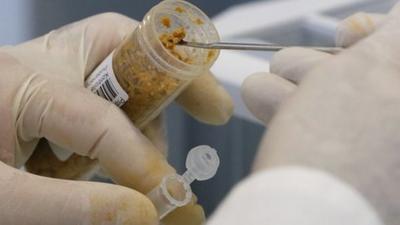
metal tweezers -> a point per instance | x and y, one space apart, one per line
253 46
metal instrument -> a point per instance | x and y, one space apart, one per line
253 46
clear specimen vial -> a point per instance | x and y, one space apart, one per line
148 70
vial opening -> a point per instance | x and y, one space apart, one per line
175 20
176 190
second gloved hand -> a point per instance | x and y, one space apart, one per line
289 66
343 117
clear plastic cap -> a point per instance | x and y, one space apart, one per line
202 163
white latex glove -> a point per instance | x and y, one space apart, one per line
341 115
289 66
42 95
294 196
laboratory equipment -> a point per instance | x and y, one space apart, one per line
252 46
174 190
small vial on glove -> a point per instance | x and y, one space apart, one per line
174 190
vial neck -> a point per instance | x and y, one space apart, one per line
188 177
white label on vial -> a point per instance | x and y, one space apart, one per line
104 83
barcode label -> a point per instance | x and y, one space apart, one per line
107 91
104 83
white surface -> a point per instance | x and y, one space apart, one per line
262 15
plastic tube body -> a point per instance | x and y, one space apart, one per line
174 190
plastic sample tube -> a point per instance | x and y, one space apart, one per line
174 190
148 70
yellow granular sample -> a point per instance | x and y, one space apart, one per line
166 22
211 55
199 21
179 9
169 41
147 86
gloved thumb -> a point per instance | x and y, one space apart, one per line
263 93
30 199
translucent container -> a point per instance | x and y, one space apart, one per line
174 191
148 70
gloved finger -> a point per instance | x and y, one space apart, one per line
83 45
387 34
75 119
263 94
29 199
356 27
395 11
206 100
44 162
191 214
294 63
47 164
156 133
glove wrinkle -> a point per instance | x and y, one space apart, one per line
28 134
93 151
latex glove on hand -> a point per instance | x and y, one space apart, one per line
338 125
284 77
43 95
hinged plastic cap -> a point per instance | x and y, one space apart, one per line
202 162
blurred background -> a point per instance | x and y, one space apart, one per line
291 22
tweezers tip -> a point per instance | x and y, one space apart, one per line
182 42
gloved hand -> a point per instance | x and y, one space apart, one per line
284 77
42 95
341 113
